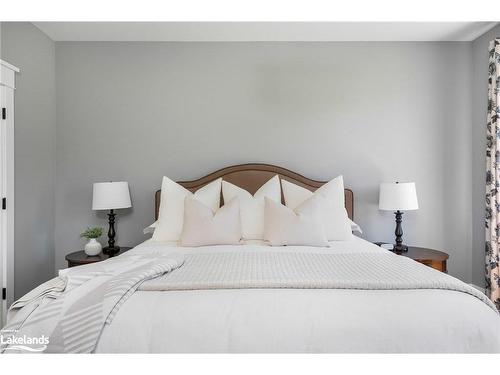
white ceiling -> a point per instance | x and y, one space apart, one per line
264 31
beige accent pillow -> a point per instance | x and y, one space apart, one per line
301 227
252 206
202 227
331 197
171 215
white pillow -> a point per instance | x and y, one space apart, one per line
252 206
355 227
171 215
335 218
300 227
150 228
204 228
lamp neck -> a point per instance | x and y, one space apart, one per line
399 232
111 230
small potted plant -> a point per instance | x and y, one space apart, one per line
93 247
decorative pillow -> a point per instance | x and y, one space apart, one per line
150 228
171 215
252 207
355 227
203 228
332 202
301 227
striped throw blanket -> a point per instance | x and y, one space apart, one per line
67 314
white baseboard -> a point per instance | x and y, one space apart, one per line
477 287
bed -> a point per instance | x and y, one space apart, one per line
351 297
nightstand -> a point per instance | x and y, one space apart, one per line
79 258
432 258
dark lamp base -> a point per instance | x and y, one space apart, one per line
400 248
111 251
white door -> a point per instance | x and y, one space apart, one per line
7 87
3 186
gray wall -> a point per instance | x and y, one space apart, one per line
478 137
26 47
370 111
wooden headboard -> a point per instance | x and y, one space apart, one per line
251 177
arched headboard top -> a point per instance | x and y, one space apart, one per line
251 177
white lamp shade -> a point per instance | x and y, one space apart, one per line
110 196
397 196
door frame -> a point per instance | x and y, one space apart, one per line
7 87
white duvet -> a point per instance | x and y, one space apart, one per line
299 320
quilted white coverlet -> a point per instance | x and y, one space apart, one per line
306 270
183 315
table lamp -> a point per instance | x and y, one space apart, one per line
111 196
397 197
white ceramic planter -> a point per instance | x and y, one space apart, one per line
93 247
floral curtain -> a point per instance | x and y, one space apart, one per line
493 177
